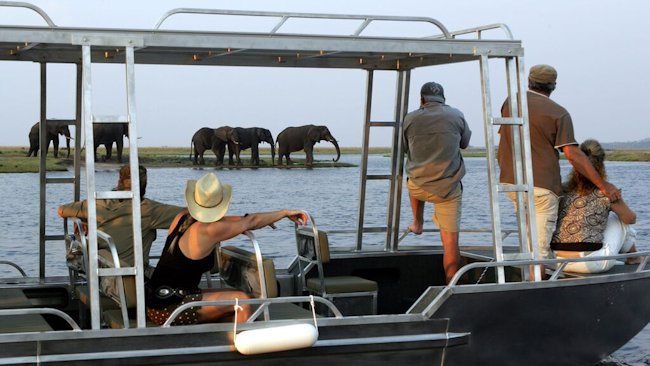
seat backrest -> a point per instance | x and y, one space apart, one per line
314 249
109 284
238 268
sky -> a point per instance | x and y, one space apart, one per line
599 49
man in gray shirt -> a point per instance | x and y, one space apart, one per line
433 137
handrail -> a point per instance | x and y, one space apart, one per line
367 19
260 268
50 311
41 12
466 268
120 279
480 29
263 302
17 267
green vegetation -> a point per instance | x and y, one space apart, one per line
14 160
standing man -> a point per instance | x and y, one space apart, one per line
551 131
433 137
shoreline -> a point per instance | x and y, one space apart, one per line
13 159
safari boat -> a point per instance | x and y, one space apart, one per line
354 304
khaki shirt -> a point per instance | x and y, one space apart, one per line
551 128
114 218
433 137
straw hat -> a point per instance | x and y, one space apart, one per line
207 199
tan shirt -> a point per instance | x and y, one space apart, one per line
114 218
551 128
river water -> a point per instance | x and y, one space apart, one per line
330 195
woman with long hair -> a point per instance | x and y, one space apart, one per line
585 226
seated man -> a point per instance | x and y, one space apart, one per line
114 217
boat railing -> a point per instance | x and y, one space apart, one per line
549 263
41 311
265 303
36 9
14 265
365 20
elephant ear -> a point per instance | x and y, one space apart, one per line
313 134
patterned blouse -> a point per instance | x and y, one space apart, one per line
582 219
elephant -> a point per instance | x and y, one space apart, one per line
251 138
53 130
304 137
107 133
215 139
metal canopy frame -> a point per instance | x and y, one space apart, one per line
85 46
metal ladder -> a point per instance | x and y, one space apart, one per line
397 163
89 120
523 186
44 178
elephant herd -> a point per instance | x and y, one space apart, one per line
104 134
236 139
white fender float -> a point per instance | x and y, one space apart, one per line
617 238
275 339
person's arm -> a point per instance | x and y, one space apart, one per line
74 209
623 211
465 135
203 237
582 165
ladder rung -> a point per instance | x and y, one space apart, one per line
54 237
114 195
517 256
497 121
126 271
513 188
110 119
383 124
59 180
378 176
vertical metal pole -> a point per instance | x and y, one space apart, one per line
364 160
87 119
397 166
493 182
42 171
77 136
138 256
527 166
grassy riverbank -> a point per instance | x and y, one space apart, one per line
14 160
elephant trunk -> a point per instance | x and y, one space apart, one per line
338 151
67 140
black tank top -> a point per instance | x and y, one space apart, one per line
175 270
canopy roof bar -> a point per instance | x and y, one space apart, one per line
43 14
367 19
58 44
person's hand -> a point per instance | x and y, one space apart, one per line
298 217
610 191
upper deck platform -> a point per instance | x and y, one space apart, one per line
275 48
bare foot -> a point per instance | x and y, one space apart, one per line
416 228
633 260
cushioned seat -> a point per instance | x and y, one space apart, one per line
313 253
342 284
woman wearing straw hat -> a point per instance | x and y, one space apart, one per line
189 252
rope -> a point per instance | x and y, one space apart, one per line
313 309
237 308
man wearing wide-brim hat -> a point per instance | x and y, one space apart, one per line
551 132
